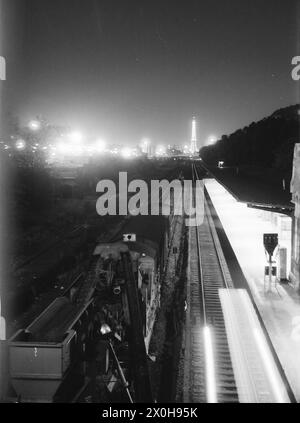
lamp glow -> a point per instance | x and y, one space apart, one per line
100 146
145 144
160 150
126 153
76 136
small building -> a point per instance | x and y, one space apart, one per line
295 191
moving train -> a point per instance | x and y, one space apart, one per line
79 346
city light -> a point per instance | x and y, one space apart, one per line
186 149
20 144
63 148
114 151
211 393
160 150
126 153
212 139
76 137
264 351
34 125
105 329
69 149
194 147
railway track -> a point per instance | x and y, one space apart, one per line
209 374
228 354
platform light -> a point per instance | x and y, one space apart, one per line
211 393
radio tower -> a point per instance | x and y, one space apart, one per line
194 137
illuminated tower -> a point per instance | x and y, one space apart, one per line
194 137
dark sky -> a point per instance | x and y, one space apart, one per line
128 69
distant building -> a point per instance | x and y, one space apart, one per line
295 191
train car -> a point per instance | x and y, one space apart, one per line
48 361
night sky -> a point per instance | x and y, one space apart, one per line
124 70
